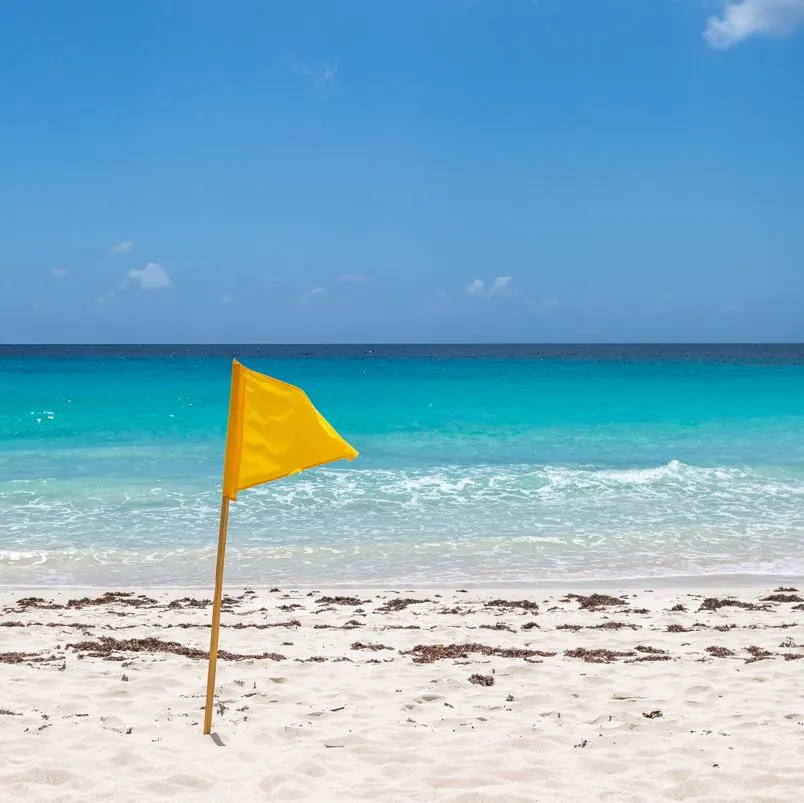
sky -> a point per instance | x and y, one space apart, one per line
181 171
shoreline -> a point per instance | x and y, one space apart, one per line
665 582
482 694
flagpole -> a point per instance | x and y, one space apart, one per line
216 616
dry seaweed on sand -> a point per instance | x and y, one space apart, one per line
36 603
429 653
265 626
678 608
649 654
641 659
653 714
678 629
481 680
594 602
399 604
714 604
613 626
599 656
114 598
783 598
498 626
789 642
522 604
359 645
22 658
757 654
189 602
401 627
719 652
338 601
782 589
107 648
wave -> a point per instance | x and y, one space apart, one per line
510 522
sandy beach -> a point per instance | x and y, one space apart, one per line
454 695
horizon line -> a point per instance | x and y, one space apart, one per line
404 344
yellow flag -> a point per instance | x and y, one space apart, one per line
274 431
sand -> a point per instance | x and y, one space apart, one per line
349 699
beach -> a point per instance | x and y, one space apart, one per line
553 573
636 692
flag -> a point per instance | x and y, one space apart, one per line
274 431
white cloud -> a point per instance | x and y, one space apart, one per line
125 247
322 75
316 291
328 72
59 272
500 286
152 277
227 299
546 304
744 18
352 277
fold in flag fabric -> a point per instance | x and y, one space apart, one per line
274 431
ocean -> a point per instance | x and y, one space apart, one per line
478 464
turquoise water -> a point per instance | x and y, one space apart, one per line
492 464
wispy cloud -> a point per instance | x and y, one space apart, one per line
745 18
500 286
60 272
227 299
321 75
152 277
352 277
124 247
316 291
546 304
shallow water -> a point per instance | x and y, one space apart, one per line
483 464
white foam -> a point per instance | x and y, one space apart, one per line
510 522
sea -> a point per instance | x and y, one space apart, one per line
484 464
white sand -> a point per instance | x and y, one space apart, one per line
380 726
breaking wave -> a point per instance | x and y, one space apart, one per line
484 523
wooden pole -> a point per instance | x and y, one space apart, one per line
216 616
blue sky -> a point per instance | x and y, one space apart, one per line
424 170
